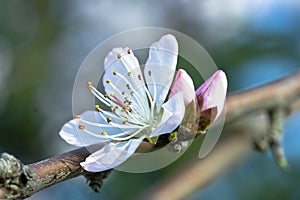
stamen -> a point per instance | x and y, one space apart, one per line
127 101
138 96
106 136
81 127
98 108
115 109
77 116
149 73
114 73
107 81
139 77
102 97
90 85
128 51
119 55
104 133
132 135
108 119
130 126
105 95
129 73
118 100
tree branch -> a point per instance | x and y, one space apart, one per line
24 180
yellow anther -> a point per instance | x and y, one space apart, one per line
111 94
90 85
77 116
98 108
107 81
128 51
105 95
115 109
108 119
119 55
104 133
81 127
129 73
114 73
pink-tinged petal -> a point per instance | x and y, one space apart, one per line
160 67
213 92
111 155
173 113
183 83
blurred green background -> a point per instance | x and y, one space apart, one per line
42 44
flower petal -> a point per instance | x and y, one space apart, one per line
123 78
92 127
183 83
213 92
111 155
160 67
72 135
173 113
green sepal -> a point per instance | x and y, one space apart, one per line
173 136
152 140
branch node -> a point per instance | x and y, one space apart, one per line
272 139
14 177
95 180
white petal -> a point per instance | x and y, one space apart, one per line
92 126
173 114
73 135
214 91
160 67
111 155
123 77
183 83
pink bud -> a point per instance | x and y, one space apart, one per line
183 83
212 92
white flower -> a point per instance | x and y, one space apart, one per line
137 100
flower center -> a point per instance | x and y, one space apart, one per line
131 111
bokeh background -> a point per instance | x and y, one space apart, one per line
42 44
